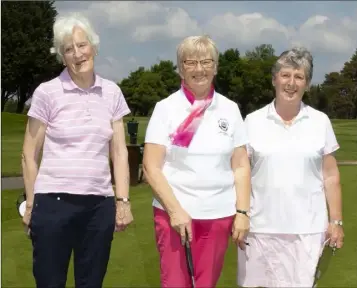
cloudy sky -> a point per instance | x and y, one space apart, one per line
137 34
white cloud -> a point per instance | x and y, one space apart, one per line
132 59
246 29
324 34
124 13
134 33
176 24
316 33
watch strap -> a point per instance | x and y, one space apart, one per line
337 222
244 212
122 199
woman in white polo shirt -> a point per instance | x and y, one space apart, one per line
294 170
196 163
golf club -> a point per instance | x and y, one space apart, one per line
189 260
324 262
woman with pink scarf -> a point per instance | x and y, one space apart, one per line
196 162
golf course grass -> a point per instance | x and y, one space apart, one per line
134 260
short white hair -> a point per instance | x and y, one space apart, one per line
196 45
64 26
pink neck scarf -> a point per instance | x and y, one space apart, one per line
183 135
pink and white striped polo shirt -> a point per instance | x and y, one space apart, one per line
76 148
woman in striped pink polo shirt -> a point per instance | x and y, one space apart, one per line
77 118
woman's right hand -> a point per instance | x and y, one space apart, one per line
181 222
26 220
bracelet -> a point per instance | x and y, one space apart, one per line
246 213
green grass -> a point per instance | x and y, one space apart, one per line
134 259
346 134
13 129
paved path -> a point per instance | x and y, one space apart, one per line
11 183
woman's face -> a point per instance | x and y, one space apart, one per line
290 84
198 71
78 53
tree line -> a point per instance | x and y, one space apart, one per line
26 38
247 80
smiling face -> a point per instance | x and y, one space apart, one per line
290 84
78 53
198 71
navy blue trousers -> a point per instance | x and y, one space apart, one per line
62 223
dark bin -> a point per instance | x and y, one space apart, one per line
132 127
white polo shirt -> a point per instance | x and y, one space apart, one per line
287 181
201 176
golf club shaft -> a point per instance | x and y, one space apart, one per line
189 260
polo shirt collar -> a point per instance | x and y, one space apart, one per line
68 84
188 105
273 114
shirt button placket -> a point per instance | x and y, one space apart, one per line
87 104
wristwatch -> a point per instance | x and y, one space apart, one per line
244 212
337 222
123 199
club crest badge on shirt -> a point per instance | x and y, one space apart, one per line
223 124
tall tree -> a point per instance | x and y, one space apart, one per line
26 39
349 76
169 76
228 79
261 52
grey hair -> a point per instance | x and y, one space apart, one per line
64 26
297 57
196 45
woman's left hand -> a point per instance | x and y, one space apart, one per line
123 216
240 229
336 235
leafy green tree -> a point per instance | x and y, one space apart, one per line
228 78
128 86
349 76
339 94
169 76
150 90
261 52
26 39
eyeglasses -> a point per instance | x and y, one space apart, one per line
206 63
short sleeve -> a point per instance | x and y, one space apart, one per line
240 131
40 107
249 148
157 130
331 144
121 108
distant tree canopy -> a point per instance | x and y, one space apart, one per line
26 39
247 80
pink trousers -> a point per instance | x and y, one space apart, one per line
209 245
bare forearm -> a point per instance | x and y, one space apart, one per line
161 189
334 197
30 171
121 176
243 187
